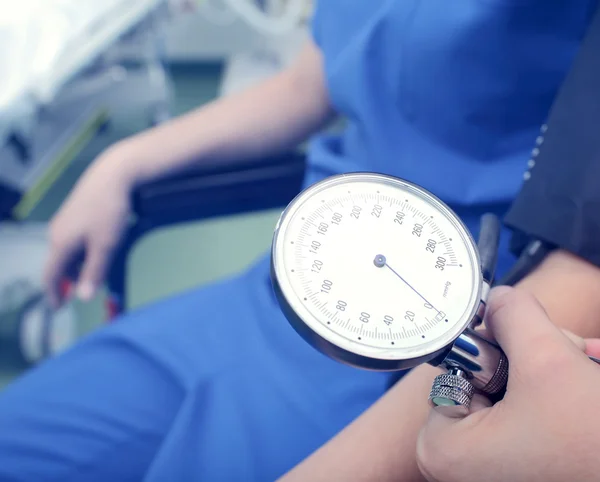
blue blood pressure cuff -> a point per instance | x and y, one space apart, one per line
559 203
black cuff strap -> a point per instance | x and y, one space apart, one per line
559 204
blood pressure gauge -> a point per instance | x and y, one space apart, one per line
378 273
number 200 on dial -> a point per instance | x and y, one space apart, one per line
373 266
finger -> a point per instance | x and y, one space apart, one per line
442 418
575 339
519 323
54 272
93 271
592 347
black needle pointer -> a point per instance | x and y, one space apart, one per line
381 262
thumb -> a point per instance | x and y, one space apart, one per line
93 271
445 444
439 422
519 324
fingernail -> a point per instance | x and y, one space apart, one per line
65 289
85 291
592 347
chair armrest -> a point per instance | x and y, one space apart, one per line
205 193
219 191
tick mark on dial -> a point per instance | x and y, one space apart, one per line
359 338
422 336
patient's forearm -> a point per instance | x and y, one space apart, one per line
380 445
569 289
273 116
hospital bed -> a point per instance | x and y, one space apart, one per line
66 66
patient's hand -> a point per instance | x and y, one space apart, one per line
545 428
92 220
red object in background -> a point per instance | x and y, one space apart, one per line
113 308
66 287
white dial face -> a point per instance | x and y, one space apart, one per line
377 266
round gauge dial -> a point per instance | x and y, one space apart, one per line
375 270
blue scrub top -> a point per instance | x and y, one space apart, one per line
214 384
448 95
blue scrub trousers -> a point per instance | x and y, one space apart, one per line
211 385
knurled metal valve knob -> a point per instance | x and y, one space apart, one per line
452 393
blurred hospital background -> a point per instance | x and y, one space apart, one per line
78 75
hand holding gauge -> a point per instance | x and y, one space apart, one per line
378 273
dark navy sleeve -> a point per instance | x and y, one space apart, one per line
559 202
